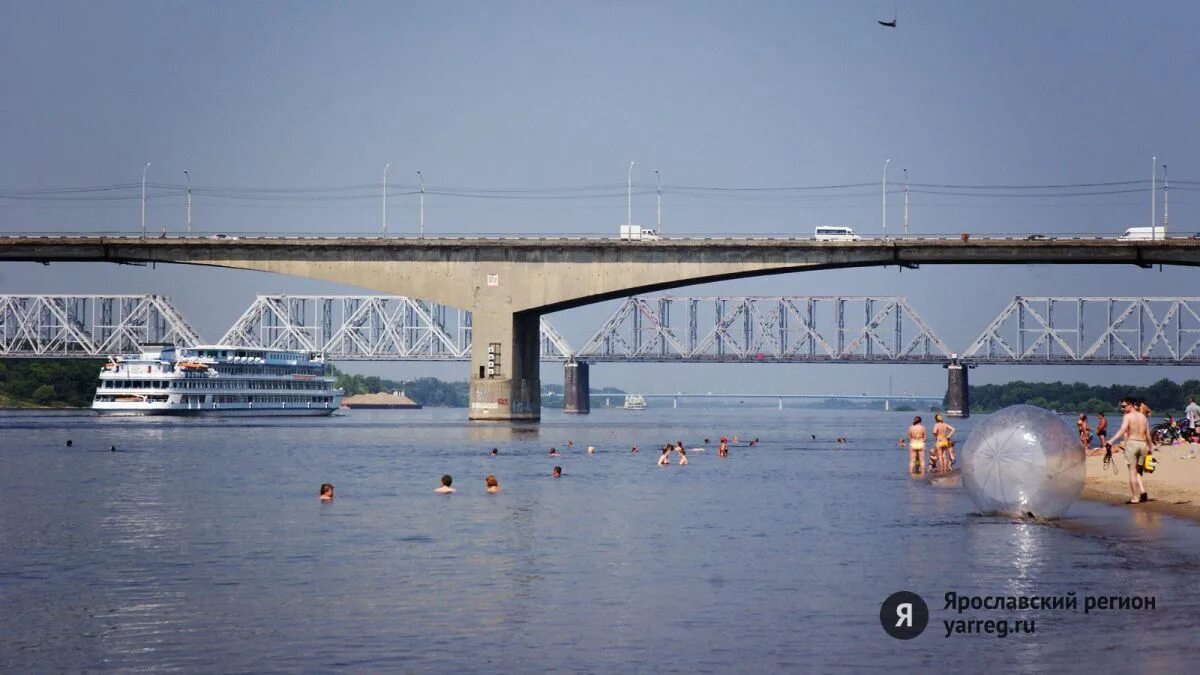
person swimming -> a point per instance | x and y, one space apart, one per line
445 487
495 452
665 458
493 485
327 492
557 472
554 452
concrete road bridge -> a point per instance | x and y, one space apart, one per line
508 283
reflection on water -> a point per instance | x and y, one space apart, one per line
201 546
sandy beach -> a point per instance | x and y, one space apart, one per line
1174 487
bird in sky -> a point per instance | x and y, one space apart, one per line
892 23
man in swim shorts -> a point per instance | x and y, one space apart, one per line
916 446
1136 431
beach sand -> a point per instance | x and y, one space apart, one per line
1174 487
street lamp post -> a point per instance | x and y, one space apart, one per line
383 217
1153 197
629 196
885 167
658 217
189 215
421 179
144 170
906 202
1166 194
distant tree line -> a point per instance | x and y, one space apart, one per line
428 391
1165 397
54 383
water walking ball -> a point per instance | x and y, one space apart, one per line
1023 461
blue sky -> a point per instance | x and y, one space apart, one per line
534 95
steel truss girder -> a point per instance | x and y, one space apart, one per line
766 329
368 327
1135 331
88 326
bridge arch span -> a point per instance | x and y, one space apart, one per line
509 283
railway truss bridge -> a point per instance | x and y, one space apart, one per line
686 329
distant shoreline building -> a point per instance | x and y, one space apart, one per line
381 401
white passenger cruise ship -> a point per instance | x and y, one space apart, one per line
634 402
216 380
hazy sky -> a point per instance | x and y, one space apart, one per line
535 95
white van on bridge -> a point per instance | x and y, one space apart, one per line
835 233
1145 233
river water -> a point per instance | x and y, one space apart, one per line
200 545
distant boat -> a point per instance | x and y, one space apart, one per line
634 402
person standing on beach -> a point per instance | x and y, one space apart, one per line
1136 431
1192 412
1102 429
1085 434
916 447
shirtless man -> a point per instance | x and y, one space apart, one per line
1102 430
916 446
1085 434
941 442
1136 431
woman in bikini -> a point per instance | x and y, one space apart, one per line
941 435
916 447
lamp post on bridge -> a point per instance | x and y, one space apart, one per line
1166 194
885 168
421 180
383 217
629 196
189 211
658 216
1153 196
906 202
144 170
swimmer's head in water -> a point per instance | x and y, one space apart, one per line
326 489
491 481
447 480
557 471
495 451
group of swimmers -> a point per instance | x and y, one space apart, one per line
941 456
493 485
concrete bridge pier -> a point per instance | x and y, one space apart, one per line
958 402
576 395
505 382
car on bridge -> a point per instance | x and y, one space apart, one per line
639 233
1145 233
835 233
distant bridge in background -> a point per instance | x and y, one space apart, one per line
666 329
